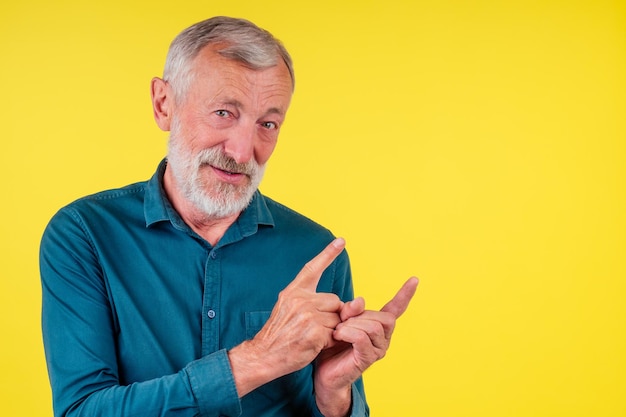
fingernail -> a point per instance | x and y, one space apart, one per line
339 242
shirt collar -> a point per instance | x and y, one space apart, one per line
156 202
157 208
255 215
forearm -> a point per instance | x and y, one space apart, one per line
160 397
255 363
249 369
204 387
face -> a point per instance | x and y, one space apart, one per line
224 131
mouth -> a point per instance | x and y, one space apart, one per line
229 176
227 172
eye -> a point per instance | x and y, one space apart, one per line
269 125
222 113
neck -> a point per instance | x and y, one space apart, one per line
210 229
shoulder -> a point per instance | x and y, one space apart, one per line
103 207
113 196
110 197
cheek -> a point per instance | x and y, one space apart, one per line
263 151
201 136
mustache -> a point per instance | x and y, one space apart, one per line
218 159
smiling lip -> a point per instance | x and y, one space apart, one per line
227 176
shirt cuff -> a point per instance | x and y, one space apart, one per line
213 385
358 407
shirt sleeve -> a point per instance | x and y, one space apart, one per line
79 332
359 405
358 408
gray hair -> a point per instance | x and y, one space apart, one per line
244 42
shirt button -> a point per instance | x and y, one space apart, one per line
211 314
213 255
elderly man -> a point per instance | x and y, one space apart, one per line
192 294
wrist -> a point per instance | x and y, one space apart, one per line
250 367
335 402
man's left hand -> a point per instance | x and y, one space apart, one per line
363 337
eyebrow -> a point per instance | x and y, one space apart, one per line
275 110
234 103
239 105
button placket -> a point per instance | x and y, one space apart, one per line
211 303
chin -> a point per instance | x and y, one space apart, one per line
222 205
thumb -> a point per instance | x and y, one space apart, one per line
352 308
309 275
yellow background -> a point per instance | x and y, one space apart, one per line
480 145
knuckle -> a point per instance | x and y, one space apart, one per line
362 338
308 317
284 297
310 267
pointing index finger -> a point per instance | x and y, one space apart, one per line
400 301
309 275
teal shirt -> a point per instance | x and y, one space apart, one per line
139 311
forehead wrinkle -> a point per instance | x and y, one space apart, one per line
276 91
227 94
275 88
239 87
224 97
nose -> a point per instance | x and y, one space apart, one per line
240 143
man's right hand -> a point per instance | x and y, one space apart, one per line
300 326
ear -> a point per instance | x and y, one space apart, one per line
162 102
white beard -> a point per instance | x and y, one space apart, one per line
218 199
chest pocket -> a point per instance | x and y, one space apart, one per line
255 320
289 395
